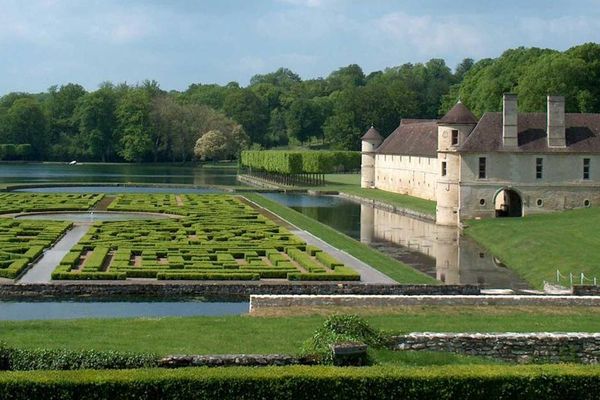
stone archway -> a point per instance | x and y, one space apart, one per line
508 203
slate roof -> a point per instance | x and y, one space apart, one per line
412 138
372 134
459 115
582 134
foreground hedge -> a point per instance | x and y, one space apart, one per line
301 382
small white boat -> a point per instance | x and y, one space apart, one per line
73 162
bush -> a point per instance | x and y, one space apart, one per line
339 329
12 359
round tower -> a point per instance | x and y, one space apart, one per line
370 142
453 129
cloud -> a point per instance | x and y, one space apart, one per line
564 31
305 3
429 35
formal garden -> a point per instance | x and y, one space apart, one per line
209 237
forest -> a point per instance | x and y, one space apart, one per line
144 123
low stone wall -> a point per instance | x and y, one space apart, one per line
389 207
586 290
515 347
231 360
258 302
172 289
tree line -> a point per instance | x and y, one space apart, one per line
142 122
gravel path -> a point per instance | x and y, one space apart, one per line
41 272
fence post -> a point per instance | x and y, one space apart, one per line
582 277
571 278
557 276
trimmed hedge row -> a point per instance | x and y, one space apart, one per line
217 237
29 202
23 241
301 162
18 359
310 382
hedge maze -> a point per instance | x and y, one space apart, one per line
27 202
213 237
21 242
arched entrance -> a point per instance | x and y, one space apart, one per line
508 203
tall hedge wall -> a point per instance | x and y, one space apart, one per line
302 382
301 162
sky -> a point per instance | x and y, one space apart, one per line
180 42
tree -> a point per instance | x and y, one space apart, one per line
133 116
63 129
282 78
25 123
346 77
248 110
217 145
95 115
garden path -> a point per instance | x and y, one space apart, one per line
41 271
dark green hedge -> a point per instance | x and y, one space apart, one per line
302 382
13 359
301 162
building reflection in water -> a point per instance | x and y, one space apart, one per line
438 251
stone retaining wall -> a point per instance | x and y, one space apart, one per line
231 360
515 347
258 302
586 290
216 290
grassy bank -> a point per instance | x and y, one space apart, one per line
536 246
284 334
394 269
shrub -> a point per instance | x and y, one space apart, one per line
339 329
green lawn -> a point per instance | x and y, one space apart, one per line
394 269
245 334
536 246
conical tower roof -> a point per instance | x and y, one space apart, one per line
459 115
372 134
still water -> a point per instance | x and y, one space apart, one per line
117 173
89 309
438 251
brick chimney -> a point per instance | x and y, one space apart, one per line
556 121
509 120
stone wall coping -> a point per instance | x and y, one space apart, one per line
500 335
425 296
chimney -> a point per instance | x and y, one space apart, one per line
509 120
556 122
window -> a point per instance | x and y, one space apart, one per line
539 167
539 202
454 137
586 203
482 172
444 168
586 168
482 202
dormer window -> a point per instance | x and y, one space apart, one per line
454 137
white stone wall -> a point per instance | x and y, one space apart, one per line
561 187
411 175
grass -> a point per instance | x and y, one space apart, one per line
245 334
396 270
536 246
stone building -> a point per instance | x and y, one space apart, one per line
506 164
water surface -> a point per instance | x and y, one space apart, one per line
72 310
117 173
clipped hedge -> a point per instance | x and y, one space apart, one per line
310 382
18 359
301 162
